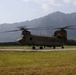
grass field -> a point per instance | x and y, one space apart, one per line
38 63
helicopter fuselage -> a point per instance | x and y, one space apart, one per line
35 40
58 39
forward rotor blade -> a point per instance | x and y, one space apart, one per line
10 31
34 28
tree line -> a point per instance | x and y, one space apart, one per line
71 42
8 44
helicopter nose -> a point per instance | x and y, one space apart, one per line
19 41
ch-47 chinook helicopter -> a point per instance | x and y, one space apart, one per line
58 39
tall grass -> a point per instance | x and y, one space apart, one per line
38 63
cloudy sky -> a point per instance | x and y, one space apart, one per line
21 10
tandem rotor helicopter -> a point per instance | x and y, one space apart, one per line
59 38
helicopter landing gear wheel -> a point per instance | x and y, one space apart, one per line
54 47
62 47
41 47
33 47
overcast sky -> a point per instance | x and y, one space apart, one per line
21 10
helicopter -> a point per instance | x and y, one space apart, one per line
59 38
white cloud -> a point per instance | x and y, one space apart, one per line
74 2
67 1
41 1
45 7
44 4
26 0
47 4
70 2
51 2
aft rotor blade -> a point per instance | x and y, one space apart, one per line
72 28
66 27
